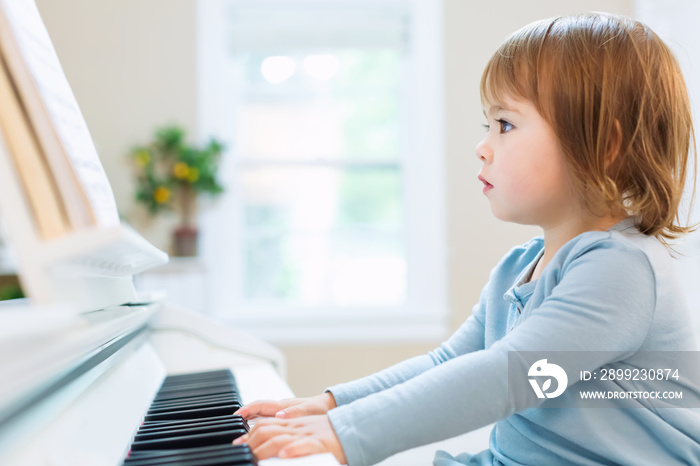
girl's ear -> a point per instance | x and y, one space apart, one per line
614 144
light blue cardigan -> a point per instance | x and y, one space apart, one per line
613 291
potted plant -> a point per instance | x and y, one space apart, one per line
171 174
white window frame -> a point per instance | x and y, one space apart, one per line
424 314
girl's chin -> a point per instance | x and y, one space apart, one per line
508 215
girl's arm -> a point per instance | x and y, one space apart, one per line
604 302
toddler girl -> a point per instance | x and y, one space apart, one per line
589 132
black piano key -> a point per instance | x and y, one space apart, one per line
200 379
192 404
188 394
189 451
159 425
227 384
188 441
203 398
200 374
194 413
223 373
221 459
195 398
207 418
235 453
209 385
175 383
178 379
178 431
197 385
193 423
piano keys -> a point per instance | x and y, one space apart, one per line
191 422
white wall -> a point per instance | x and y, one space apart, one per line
132 66
676 22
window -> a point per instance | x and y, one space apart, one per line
333 213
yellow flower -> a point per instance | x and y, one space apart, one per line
181 170
161 195
142 157
193 175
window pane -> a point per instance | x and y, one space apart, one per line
349 114
324 236
315 137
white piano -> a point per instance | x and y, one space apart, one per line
83 357
75 387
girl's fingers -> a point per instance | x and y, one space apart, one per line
302 447
265 429
302 436
292 411
260 408
261 431
319 404
272 446
303 409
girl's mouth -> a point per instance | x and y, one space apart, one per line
487 185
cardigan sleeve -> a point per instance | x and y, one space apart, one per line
604 301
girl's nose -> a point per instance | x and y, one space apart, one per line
483 151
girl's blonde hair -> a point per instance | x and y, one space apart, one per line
615 96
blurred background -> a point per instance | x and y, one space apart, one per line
350 229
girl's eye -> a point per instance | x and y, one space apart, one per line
505 126
486 127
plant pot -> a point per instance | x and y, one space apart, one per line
185 241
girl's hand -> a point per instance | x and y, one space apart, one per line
291 438
288 408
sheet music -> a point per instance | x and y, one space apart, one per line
37 50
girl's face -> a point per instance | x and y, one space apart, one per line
524 175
